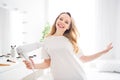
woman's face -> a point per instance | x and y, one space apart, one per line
63 22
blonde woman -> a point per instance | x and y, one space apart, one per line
61 51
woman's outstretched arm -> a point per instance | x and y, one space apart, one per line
96 55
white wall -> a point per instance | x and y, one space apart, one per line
16 27
117 39
0 31
106 25
35 22
5 30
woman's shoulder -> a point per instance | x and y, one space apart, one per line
47 38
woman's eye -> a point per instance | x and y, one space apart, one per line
61 19
66 22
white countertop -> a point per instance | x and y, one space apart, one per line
17 71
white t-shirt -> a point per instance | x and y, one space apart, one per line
64 62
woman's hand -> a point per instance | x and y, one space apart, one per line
108 48
29 64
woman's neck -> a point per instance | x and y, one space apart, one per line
58 34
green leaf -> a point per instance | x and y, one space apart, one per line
45 31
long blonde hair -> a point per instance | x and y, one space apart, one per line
72 34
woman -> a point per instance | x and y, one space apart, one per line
61 51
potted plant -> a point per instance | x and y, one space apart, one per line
45 31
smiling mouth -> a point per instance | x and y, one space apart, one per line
60 26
